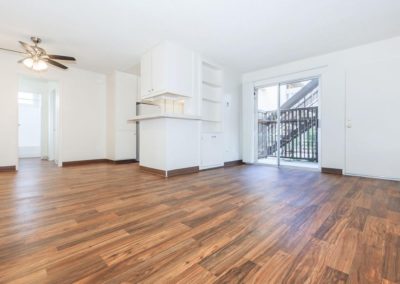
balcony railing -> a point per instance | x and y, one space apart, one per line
298 134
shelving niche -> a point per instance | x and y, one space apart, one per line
211 98
212 116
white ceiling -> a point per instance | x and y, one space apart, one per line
243 34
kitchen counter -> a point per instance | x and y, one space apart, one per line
169 143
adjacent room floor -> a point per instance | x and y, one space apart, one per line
248 224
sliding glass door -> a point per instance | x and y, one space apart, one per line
287 123
267 125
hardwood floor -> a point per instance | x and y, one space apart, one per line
109 223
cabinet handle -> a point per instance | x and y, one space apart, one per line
213 136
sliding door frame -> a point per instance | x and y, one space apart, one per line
278 121
279 83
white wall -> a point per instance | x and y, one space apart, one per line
110 119
122 91
332 68
83 115
83 96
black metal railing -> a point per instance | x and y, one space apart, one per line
298 134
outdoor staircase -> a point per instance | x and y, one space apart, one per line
298 124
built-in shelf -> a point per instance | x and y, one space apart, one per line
212 84
163 95
209 120
211 111
211 66
211 116
211 93
211 74
212 100
164 115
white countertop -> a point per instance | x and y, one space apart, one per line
164 115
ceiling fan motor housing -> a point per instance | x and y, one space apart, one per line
36 40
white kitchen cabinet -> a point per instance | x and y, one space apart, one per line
145 78
159 76
211 148
167 69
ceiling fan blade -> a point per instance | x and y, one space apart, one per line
55 63
6 49
61 57
27 47
42 51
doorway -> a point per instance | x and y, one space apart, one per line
38 119
287 123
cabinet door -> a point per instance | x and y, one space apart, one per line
146 75
159 70
211 150
180 70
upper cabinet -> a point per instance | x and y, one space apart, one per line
167 69
145 78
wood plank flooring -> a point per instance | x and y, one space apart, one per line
109 223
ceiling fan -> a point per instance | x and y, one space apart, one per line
37 58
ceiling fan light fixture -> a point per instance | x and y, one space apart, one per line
35 64
39 65
28 62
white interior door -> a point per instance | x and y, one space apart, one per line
52 125
372 120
